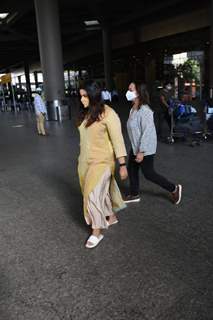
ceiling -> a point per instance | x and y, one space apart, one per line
18 33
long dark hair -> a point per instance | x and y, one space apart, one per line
143 95
96 106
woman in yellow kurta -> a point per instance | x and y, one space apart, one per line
101 142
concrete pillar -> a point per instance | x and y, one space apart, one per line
211 55
150 70
69 78
27 77
20 88
90 72
11 94
160 65
19 82
50 47
36 78
9 86
107 56
206 72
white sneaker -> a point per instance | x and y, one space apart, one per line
131 198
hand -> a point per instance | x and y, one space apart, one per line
123 172
139 157
170 111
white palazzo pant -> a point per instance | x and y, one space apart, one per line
99 204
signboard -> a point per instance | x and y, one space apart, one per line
6 78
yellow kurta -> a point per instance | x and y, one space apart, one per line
100 144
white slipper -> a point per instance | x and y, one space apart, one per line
94 241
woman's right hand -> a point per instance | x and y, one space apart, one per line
123 172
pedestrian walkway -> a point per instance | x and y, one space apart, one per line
156 264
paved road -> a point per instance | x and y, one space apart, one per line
156 264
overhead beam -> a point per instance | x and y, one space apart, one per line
9 38
157 6
18 34
16 16
175 25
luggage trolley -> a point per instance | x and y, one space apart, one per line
208 120
172 106
185 123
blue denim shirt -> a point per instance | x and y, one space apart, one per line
39 105
141 131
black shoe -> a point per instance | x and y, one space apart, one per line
131 198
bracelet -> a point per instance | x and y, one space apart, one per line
122 164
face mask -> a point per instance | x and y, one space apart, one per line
131 95
169 87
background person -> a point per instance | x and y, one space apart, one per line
101 141
115 96
41 111
142 135
106 95
163 113
156 106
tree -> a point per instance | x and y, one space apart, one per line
189 70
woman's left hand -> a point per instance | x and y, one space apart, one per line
123 172
139 157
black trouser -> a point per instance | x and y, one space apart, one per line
159 117
147 167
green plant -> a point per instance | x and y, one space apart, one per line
189 70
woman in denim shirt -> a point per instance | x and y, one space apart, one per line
142 135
